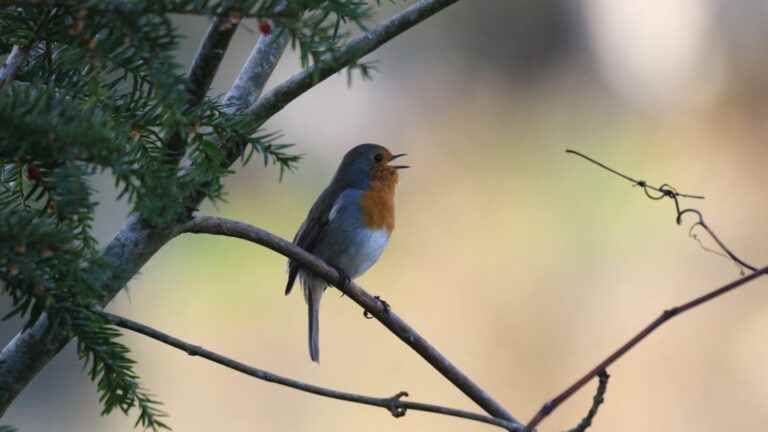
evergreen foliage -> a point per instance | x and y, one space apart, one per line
100 92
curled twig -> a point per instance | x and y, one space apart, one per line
668 191
602 386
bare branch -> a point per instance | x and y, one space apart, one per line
668 314
256 70
12 64
283 94
667 191
208 58
230 228
201 73
394 404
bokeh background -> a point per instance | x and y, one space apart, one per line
524 265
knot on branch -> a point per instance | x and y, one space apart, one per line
395 406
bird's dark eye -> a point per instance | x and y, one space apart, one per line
379 157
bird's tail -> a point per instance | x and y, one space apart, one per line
314 292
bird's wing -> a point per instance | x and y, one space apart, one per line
312 229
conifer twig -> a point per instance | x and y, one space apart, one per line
394 404
387 316
136 243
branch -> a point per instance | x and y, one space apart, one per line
283 94
119 6
229 228
256 70
136 243
667 191
396 406
208 58
668 314
29 351
12 64
201 73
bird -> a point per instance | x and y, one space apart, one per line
348 226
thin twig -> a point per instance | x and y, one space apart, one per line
667 191
394 404
387 316
597 400
668 314
12 64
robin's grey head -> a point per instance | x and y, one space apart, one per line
360 163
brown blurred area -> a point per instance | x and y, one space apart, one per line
523 265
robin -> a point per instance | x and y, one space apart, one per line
348 226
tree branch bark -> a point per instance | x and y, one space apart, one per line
401 329
256 71
394 404
135 244
12 64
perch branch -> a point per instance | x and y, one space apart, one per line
229 228
394 404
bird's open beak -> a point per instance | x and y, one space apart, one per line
398 166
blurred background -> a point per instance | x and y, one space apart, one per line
523 265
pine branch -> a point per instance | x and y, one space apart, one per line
394 404
401 329
137 242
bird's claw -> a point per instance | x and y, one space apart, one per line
384 305
344 280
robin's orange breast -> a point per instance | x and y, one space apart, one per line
378 202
